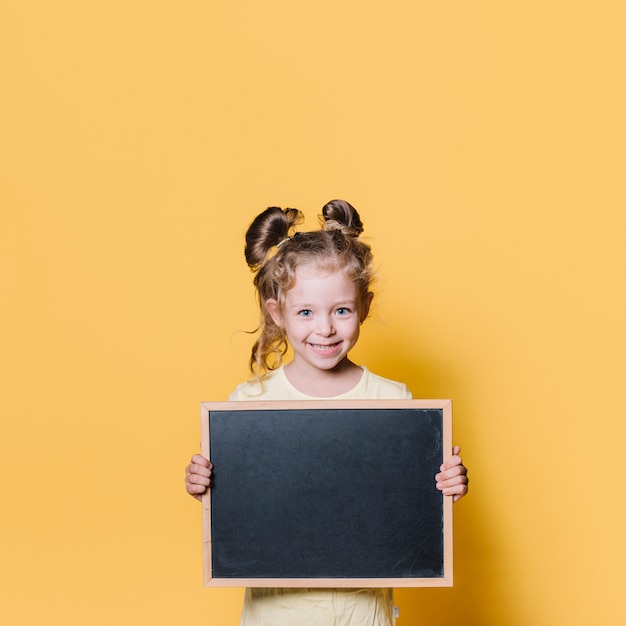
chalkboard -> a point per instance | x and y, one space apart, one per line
327 494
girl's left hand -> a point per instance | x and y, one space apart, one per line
452 480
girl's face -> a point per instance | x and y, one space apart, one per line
321 317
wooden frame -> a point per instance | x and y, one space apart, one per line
327 493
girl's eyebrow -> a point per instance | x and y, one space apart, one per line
334 305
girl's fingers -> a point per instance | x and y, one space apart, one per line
455 459
456 491
451 472
450 483
198 459
198 476
197 485
200 470
197 479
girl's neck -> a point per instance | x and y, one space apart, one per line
324 383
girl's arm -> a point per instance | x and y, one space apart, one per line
198 476
453 480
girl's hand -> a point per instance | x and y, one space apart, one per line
198 476
453 480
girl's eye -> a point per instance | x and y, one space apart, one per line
343 311
305 312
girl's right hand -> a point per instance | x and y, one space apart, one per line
198 476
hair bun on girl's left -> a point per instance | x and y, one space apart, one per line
341 215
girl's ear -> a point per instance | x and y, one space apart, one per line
365 307
274 310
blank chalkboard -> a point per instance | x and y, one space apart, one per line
327 494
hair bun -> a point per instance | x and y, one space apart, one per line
268 229
341 215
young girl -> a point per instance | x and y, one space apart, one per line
314 294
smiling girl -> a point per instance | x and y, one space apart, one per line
314 294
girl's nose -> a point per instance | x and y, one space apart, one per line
325 327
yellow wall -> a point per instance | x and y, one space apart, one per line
483 143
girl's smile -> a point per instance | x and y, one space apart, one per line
324 348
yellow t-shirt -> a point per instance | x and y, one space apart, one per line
318 607
276 386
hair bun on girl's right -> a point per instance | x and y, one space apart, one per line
267 230
341 215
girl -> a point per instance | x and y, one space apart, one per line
314 294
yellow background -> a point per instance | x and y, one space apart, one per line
483 144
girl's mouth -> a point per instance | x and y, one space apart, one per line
324 348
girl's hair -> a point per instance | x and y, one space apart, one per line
274 252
